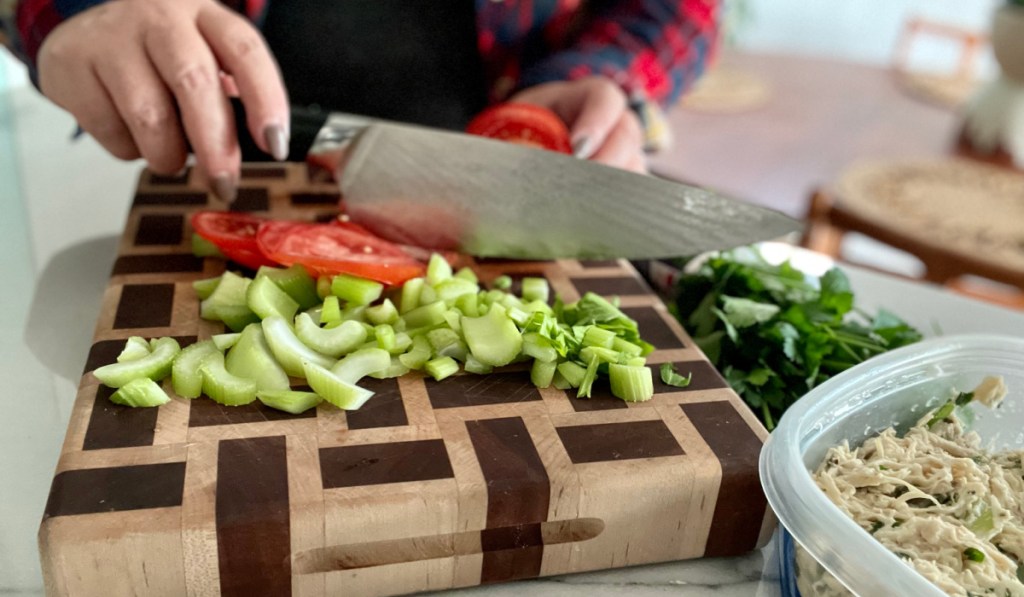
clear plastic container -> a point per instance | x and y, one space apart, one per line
895 388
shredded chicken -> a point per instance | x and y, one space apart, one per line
936 498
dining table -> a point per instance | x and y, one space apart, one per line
64 205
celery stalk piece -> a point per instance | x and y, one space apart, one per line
355 290
225 341
428 294
204 248
493 338
330 311
451 289
228 303
542 372
538 347
140 392
474 366
135 348
502 283
204 288
468 304
418 354
447 343
438 270
603 355
589 376
323 287
632 384
410 295
156 365
442 367
333 389
517 315
289 351
221 386
402 343
290 401
266 298
426 315
454 320
559 382
295 281
634 361
332 342
572 372
595 336
385 335
251 358
357 365
186 378
354 313
671 377
626 347
396 369
535 289
386 312
466 273
538 307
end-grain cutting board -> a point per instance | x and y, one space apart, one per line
430 486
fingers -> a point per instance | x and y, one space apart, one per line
185 63
242 53
94 111
148 110
623 147
598 112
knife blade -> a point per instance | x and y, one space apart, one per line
451 191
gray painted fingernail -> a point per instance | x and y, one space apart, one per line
277 141
224 187
581 147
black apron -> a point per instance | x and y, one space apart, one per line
407 60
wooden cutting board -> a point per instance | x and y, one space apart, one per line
429 486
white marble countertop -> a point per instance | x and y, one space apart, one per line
63 205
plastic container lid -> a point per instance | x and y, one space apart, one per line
895 388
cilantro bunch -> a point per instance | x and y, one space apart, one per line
775 333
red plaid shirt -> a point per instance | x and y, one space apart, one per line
653 48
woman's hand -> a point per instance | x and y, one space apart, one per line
601 125
142 76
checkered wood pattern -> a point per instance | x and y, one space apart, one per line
431 485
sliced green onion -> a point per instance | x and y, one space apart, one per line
535 289
942 413
357 365
135 348
156 365
204 288
355 290
223 387
502 283
493 338
295 281
442 367
438 270
542 372
290 401
141 392
410 295
186 378
251 358
266 298
225 341
632 384
330 312
426 315
289 351
671 377
332 342
340 393
386 312
974 554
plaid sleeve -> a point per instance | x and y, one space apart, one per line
653 48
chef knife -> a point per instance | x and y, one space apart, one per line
446 190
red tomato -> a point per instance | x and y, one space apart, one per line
525 124
336 249
253 260
234 234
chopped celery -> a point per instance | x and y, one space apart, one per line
204 248
502 283
290 401
589 376
357 365
410 295
228 303
626 347
354 313
467 274
535 289
519 316
355 290
402 343
396 369
603 355
474 366
323 287
266 298
186 379
538 306
385 335
454 320
156 365
428 295
426 315
332 342
632 384
538 347
295 281
559 382
135 348
671 377
399 325
252 358
382 313
140 392
234 317
633 361
447 343
419 353
442 367
289 351
451 289
595 336
330 311
438 270
541 373
333 389
572 372
467 304
493 338
225 341
223 387
204 288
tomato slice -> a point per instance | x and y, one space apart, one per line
335 249
227 229
526 124
253 260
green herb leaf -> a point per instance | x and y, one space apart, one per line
743 313
974 555
671 377
942 413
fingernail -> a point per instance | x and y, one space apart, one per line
181 173
277 141
581 147
224 187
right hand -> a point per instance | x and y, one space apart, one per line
141 76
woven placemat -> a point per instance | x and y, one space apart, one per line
940 90
727 90
959 205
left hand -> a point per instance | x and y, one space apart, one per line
601 125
